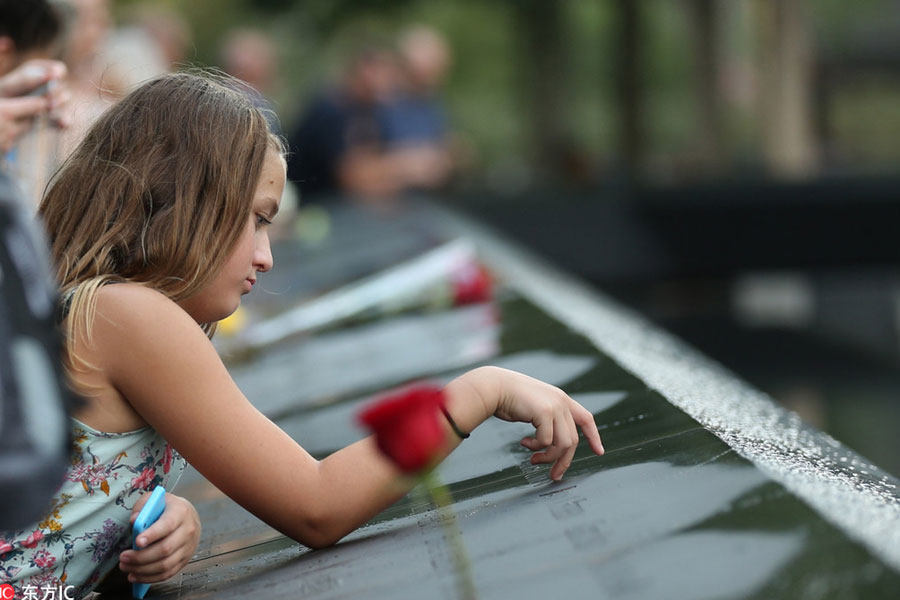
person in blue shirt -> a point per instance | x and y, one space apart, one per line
336 146
416 114
380 132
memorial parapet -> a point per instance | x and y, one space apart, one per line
707 488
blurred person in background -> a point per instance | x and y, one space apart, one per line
168 29
31 92
89 25
416 121
150 41
250 55
34 401
358 138
34 398
42 149
28 29
338 145
103 62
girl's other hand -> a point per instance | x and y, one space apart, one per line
166 546
555 416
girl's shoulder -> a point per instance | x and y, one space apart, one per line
131 328
133 304
147 347
132 316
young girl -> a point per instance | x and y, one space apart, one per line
170 197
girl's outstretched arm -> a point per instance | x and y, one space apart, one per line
349 475
157 357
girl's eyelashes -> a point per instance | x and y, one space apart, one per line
262 221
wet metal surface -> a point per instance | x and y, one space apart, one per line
846 489
671 510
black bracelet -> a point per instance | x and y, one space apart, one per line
453 424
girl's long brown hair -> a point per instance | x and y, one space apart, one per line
157 193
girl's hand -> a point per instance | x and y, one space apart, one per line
555 416
166 546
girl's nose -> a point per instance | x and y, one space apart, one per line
263 260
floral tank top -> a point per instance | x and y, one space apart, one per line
87 523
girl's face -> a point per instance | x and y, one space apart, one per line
251 254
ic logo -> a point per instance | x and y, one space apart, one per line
7 592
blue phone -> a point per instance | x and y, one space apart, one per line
151 511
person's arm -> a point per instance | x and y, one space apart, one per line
383 173
369 173
160 360
472 398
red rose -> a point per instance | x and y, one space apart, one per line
471 283
33 539
5 547
407 426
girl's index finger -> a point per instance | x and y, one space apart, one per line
585 421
